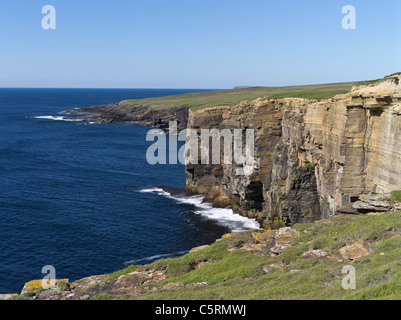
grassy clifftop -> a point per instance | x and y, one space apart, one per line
234 96
199 100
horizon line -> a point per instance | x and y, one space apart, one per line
235 87
122 88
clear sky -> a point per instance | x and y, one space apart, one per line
196 43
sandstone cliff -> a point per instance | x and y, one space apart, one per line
312 157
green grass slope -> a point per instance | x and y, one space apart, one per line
241 274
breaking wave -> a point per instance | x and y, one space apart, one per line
58 118
223 216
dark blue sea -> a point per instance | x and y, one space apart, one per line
82 197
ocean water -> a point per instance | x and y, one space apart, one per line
82 198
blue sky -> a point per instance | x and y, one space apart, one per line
196 44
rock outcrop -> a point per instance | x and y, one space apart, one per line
312 157
130 113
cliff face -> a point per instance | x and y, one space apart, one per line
312 157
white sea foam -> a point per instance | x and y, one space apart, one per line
58 118
88 123
223 216
156 190
156 257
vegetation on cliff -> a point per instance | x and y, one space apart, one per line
303 262
201 100
311 268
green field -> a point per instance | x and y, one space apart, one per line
200 100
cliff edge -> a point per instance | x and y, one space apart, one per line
313 158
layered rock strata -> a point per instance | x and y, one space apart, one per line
312 157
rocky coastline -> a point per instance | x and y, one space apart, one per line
315 160
124 112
